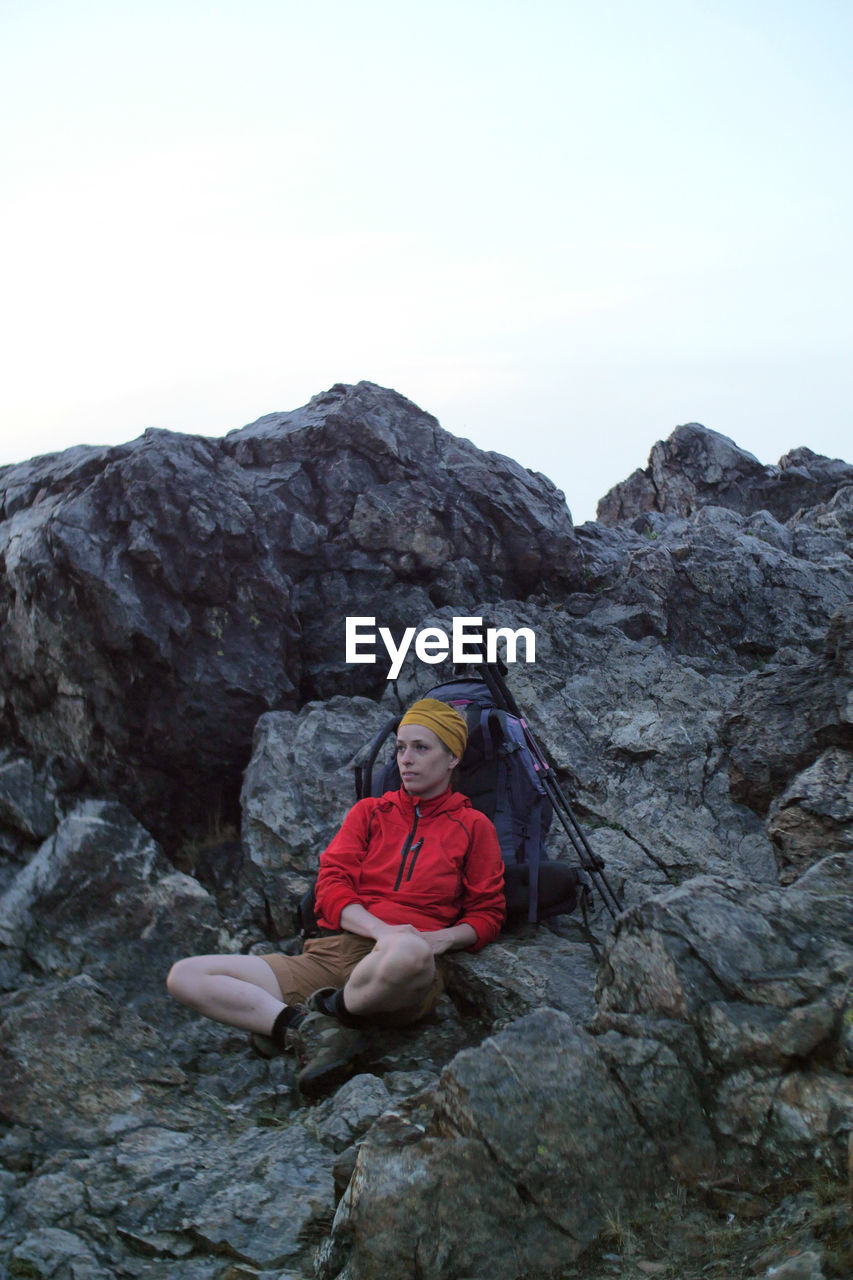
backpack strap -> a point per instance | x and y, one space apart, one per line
364 773
524 780
486 732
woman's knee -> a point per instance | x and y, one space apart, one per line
185 975
180 977
407 958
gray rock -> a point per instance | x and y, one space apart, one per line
521 974
155 630
27 798
99 898
299 786
696 467
341 1120
52 1252
814 814
485 1195
159 596
711 998
786 715
657 1064
717 583
633 731
78 1068
264 1197
761 975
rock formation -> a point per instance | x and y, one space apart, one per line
156 598
172 662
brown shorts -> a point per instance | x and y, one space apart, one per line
328 961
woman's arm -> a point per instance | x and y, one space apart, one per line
357 919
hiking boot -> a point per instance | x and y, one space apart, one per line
326 1050
263 1046
277 1042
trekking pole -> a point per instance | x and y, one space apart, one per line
590 861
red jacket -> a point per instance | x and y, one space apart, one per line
430 863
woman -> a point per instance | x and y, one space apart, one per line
410 875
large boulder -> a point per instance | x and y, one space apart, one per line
503 1172
391 516
156 598
760 977
147 620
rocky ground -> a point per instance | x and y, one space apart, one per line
177 735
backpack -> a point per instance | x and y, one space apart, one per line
501 775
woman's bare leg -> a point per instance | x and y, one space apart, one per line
398 972
240 991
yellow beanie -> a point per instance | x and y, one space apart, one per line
445 722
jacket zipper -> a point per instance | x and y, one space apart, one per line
416 848
407 844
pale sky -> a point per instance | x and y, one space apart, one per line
562 228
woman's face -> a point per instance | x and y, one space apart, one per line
424 761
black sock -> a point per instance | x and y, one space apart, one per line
335 1007
289 1017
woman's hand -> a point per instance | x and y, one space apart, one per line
455 938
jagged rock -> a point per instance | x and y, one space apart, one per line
472 520
633 731
656 1064
712 998
513 977
299 785
787 714
27 798
156 598
340 1121
696 467
79 1068
696 709
262 1197
761 976
814 814
717 585
50 1251
486 1195
99 898
132 1144
147 621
